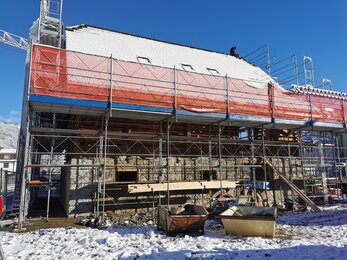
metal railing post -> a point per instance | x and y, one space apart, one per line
220 160
110 85
175 89
343 113
104 169
227 95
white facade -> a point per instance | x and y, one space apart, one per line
122 46
8 161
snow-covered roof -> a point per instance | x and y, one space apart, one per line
7 151
123 46
8 135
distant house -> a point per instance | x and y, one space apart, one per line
8 160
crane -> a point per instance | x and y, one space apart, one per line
49 24
13 40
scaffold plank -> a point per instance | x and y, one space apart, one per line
180 186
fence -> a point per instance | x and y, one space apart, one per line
7 186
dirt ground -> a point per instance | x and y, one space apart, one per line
37 224
52 223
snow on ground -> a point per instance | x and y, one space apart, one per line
299 236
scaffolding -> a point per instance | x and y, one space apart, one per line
110 119
216 148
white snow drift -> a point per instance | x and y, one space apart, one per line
307 235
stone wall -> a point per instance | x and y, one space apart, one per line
82 181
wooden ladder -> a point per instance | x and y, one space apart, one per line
291 185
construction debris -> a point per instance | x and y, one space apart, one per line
120 218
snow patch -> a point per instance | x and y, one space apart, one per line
305 235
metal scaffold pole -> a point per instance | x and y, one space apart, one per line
49 181
220 160
253 169
227 95
290 164
210 154
99 172
160 177
300 139
264 162
338 153
104 169
110 85
337 180
296 70
168 163
23 191
175 90
321 165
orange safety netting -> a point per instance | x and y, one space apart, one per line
68 74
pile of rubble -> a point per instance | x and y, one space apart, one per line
121 218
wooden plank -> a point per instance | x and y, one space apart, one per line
177 186
291 185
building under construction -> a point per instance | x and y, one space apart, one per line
113 120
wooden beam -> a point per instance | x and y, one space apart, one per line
177 186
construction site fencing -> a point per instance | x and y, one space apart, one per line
7 186
68 74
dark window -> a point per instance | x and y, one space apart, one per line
126 176
206 175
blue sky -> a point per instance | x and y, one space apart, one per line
315 28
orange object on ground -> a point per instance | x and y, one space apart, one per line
37 182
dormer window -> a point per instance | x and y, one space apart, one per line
144 60
213 71
187 67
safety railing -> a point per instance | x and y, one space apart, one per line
68 74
